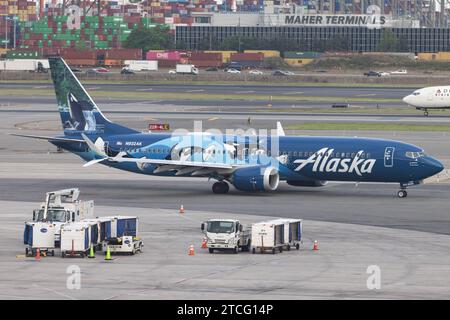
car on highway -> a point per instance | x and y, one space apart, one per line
76 70
212 69
384 74
173 71
256 72
99 70
127 71
233 71
340 105
372 74
402 71
282 73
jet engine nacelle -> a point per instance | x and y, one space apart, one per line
256 179
306 183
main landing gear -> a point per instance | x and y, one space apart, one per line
402 193
220 187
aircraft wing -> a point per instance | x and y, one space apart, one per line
47 138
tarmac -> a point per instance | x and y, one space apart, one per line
412 265
357 226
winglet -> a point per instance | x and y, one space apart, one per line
280 130
93 147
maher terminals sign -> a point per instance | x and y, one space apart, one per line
343 20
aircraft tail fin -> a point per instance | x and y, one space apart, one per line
78 111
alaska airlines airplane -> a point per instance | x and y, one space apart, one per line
429 98
249 163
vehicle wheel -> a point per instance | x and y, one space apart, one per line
273 251
211 250
253 250
297 246
26 251
141 248
220 187
236 250
402 194
53 253
281 249
133 252
288 247
63 254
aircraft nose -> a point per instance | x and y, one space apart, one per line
407 99
433 166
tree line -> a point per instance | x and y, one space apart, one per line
159 38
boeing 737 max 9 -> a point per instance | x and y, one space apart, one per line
249 163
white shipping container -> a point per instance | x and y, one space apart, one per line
42 235
269 235
75 237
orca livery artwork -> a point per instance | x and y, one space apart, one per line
81 113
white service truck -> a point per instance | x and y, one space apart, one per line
141 65
63 206
226 234
186 69
31 65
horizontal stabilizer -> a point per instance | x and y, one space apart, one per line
48 138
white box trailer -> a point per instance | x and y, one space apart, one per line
186 69
31 65
39 235
141 65
292 232
268 235
75 239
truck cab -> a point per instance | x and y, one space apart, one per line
226 234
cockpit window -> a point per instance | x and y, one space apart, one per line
416 93
414 155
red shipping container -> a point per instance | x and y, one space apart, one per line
205 56
247 56
171 56
205 63
167 63
72 53
81 62
124 54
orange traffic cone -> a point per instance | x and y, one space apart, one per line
181 209
38 255
191 250
204 243
316 245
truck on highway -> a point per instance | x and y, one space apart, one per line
141 65
186 69
31 65
226 234
61 207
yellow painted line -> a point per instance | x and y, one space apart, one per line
20 256
213 118
150 118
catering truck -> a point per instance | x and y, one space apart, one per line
226 234
186 69
141 65
63 206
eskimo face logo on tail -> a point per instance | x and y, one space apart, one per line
82 116
323 161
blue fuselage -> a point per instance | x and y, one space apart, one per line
298 158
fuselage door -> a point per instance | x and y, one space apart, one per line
389 157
